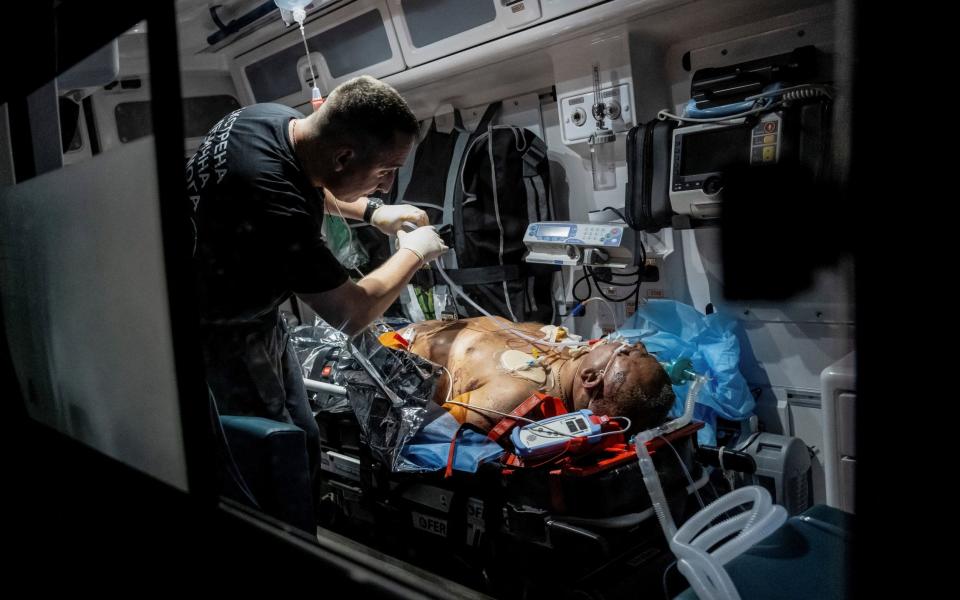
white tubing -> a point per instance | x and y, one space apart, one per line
683 419
652 481
692 542
709 581
650 478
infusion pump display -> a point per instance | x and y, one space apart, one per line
557 243
581 234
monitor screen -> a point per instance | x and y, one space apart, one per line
712 150
554 231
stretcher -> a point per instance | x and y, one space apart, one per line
577 521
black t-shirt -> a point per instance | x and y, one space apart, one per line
256 218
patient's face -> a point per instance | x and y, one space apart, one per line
636 369
606 379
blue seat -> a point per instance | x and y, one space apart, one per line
807 557
272 459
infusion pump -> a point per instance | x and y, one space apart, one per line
571 244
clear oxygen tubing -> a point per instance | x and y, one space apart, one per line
650 478
692 543
703 567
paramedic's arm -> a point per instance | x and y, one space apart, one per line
350 210
352 306
389 218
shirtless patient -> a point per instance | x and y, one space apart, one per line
630 384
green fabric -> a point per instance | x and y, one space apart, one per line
425 300
344 245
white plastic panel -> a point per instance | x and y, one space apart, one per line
85 306
100 68
576 113
791 355
806 423
838 396
431 29
357 39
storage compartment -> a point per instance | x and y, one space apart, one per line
431 29
357 39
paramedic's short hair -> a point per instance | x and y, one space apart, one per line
366 113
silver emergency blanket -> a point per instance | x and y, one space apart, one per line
311 342
389 391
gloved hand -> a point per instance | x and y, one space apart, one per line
390 217
423 241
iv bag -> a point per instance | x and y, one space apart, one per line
297 8
291 4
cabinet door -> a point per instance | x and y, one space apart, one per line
357 39
430 29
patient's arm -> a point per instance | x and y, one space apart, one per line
502 393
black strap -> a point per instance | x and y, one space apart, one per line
486 118
535 154
634 174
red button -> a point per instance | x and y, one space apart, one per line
326 371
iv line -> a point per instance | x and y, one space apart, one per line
303 35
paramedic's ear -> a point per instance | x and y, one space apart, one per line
343 157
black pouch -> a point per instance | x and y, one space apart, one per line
649 160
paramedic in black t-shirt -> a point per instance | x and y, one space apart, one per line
260 184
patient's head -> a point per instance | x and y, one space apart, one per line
615 380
